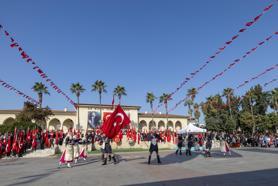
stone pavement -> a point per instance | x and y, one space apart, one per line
247 166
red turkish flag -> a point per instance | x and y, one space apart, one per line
258 17
117 121
242 30
268 7
106 116
249 23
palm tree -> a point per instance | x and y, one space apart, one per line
197 113
119 91
99 86
192 93
164 98
250 97
77 89
189 103
273 101
150 99
40 89
228 92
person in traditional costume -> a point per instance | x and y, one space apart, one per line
224 147
190 144
179 145
76 151
83 147
67 155
208 146
154 138
8 146
108 151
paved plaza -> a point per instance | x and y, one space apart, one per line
247 166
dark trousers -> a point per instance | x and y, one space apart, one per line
178 150
188 151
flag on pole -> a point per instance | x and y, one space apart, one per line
113 101
117 121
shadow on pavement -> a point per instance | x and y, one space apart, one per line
173 158
32 178
262 150
253 178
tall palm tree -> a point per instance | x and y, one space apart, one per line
189 103
250 97
77 89
150 99
273 101
228 92
164 98
120 91
100 87
192 93
40 89
197 113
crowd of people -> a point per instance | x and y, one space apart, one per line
18 142
15 144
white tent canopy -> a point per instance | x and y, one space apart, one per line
191 129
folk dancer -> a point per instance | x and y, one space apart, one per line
83 147
179 145
108 151
154 138
224 147
76 151
67 155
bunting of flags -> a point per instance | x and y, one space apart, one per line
19 93
257 76
231 65
254 78
219 51
27 58
270 82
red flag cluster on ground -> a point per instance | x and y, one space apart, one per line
117 121
236 61
36 68
19 93
219 51
131 134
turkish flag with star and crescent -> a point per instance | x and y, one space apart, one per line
117 121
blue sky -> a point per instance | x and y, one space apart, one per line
144 45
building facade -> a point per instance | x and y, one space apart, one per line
91 115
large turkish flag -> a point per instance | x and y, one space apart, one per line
117 121
106 116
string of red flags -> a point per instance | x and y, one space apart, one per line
270 82
258 76
19 93
237 100
219 51
230 66
28 59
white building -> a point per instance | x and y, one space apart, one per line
89 115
